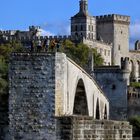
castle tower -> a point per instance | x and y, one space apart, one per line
114 29
83 25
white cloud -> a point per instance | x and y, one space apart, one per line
134 33
46 33
135 30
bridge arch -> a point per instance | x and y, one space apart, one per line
105 112
80 100
97 110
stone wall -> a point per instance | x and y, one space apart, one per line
3 116
133 102
114 85
32 97
86 128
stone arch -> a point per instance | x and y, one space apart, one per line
97 110
80 100
105 112
93 104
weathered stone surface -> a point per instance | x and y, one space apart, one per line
32 98
43 86
114 86
86 128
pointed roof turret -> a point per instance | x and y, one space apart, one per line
83 6
83 9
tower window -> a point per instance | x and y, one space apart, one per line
119 47
89 35
76 28
113 87
89 27
76 34
81 28
108 53
92 28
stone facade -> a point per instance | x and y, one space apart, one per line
86 128
115 29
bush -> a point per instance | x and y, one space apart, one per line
80 53
135 122
135 84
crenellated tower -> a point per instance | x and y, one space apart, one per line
114 29
82 24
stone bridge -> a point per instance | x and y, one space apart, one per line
76 92
45 89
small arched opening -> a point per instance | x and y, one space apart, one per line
105 113
80 101
97 110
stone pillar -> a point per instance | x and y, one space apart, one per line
32 97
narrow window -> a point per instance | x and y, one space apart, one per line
76 28
81 28
119 47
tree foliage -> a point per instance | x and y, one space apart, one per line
135 84
81 53
135 122
5 51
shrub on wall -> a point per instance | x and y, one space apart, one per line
135 122
135 84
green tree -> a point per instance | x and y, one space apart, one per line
80 53
5 51
135 122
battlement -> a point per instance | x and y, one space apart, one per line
8 38
113 18
107 69
125 63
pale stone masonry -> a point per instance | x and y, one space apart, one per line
86 128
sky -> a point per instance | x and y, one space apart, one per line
53 16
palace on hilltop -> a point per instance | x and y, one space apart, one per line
109 34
